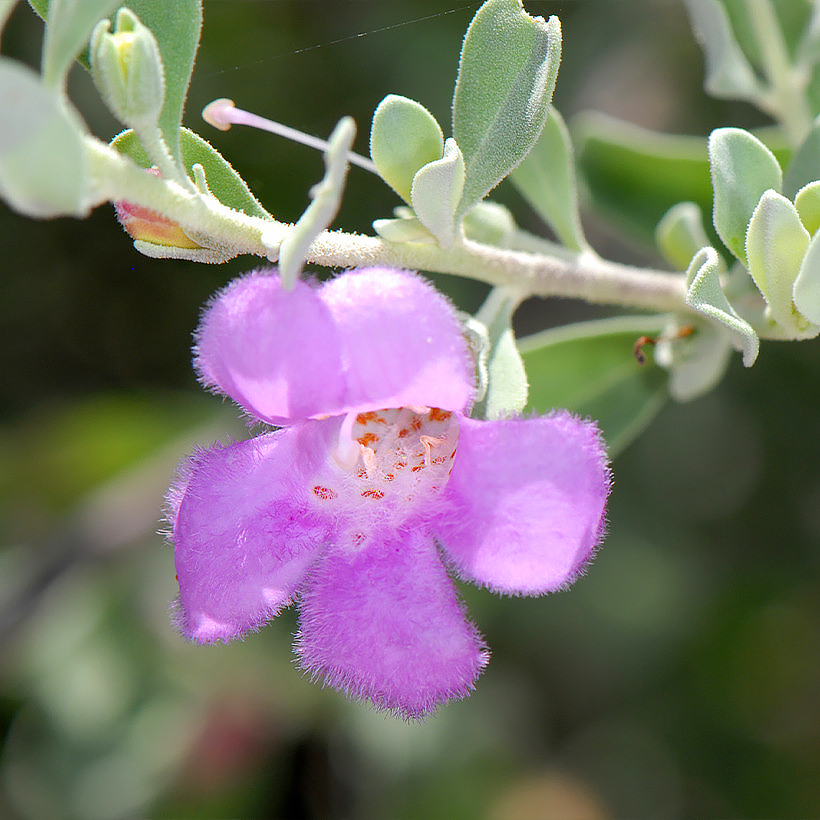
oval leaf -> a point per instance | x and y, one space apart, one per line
506 77
589 368
807 203
404 136
775 245
742 169
546 179
706 295
680 234
436 191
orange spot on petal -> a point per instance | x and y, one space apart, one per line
325 493
373 494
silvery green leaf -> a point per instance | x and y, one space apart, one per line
742 169
42 148
728 72
506 76
546 179
705 294
807 203
507 387
806 292
326 197
69 26
404 136
436 192
680 234
804 166
490 223
404 229
775 245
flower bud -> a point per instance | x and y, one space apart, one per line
127 70
145 225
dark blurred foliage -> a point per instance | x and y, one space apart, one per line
679 679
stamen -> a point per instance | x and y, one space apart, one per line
428 442
222 113
347 449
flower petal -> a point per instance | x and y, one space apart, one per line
403 344
245 529
382 621
275 352
526 501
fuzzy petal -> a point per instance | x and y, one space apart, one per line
526 502
275 352
402 340
383 622
245 530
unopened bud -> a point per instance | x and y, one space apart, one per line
127 69
149 226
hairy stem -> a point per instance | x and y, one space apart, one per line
584 276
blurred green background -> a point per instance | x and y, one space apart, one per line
679 679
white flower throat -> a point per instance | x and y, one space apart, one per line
402 454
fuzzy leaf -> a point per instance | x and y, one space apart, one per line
42 150
742 169
506 76
806 292
403 229
546 179
590 369
490 223
706 295
436 191
807 203
404 136
775 245
680 234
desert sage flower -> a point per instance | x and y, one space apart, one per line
374 489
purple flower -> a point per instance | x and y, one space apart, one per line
375 485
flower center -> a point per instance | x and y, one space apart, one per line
401 454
